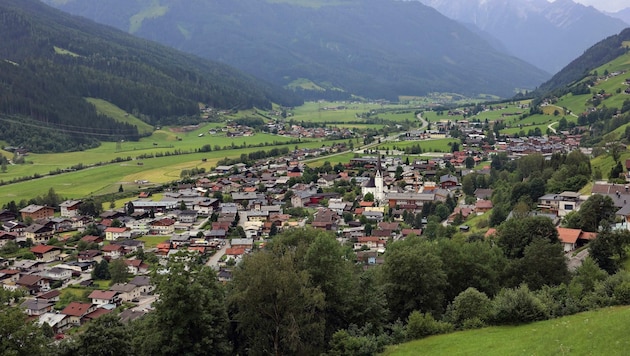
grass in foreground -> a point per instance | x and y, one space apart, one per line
600 332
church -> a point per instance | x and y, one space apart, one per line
375 185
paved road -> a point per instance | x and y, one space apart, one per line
213 261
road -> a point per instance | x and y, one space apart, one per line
213 261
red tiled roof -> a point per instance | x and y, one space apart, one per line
491 231
235 251
116 229
76 309
568 235
102 294
42 249
110 248
97 313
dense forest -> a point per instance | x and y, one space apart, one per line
51 61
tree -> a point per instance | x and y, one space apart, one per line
101 270
368 197
104 336
543 263
514 235
19 336
118 271
595 210
190 317
274 307
120 189
469 162
414 278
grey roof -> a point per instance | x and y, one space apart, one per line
140 281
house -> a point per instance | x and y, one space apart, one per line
102 297
136 266
56 321
448 181
483 206
5 237
7 215
51 296
58 274
39 234
143 283
14 227
35 212
574 238
34 284
325 219
126 291
113 252
45 253
187 216
36 307
165 226
242 243
76 312
70 208
371 242
93 239
114 233
483 194
90 256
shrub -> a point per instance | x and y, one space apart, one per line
420 325
471 304
516 306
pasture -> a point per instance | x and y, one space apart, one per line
429 145
599 332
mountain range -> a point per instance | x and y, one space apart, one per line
50 62
548 35
371 48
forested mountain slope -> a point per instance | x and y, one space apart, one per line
372 48
599 54
51 61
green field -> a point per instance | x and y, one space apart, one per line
601 332
151 241
106 179
430 145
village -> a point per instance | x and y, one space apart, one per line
234 210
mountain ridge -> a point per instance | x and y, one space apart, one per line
548 35
375 48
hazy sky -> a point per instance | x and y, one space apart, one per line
605 5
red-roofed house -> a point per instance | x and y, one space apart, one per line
45 253
164 226
136 266
101 297
568 238
76 311
482 206
113 251
114 233
235 253
573 238
491 232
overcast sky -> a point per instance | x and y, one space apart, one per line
605 5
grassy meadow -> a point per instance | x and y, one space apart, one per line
430 145
600 332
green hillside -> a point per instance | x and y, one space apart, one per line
600 332
50 61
